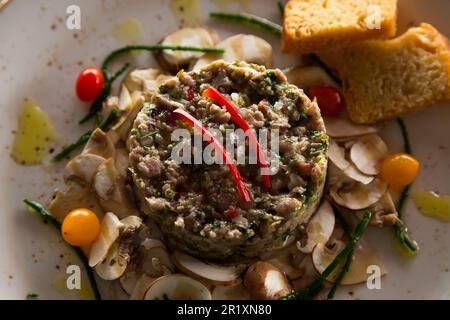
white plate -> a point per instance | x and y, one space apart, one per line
33 33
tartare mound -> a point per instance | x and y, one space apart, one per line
190 201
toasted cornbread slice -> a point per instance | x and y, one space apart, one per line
312 26
383 79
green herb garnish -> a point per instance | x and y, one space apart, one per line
44 214
104 126
32 295
400 229
280 8
250 20
314 288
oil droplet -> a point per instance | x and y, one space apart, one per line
432 204
187 12
34 135
225 4
129 31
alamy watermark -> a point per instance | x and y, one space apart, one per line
241 148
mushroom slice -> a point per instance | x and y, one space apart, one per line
307 273
283 261
113 266
364 257
105 179
308 76
324 254
122 163
116 261
154 261
173 61
241 47
236 292
177 287
150 86
124 124
359 196
337 156
76 196
384 211
344 128
212 273
128 281
264 281
141 287
82 168
319 228
135 80
125 101
100 145
367 153
110 229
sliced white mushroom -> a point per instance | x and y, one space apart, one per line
319 228
283 261
141 287
105 179
384 211
125 101
307 274
337 156
154 261
119 254
359 196
100 145
177 287
150 86
344 128
135 80
308 76
150 243
122 163
324 254
215 274
110 229
236 292
128 281
264 281
82 168
74 197
367 153
365 256
241 47
173 61
113 266
125 122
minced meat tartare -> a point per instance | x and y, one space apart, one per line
190 201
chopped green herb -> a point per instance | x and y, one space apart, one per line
315 287
251 20
32 295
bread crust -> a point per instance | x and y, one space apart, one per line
332 23
383 79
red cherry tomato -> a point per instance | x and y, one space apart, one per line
90 84
330 100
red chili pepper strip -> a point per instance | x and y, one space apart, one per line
243 192
237 118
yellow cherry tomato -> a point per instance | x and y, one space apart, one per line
80 227
399 170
